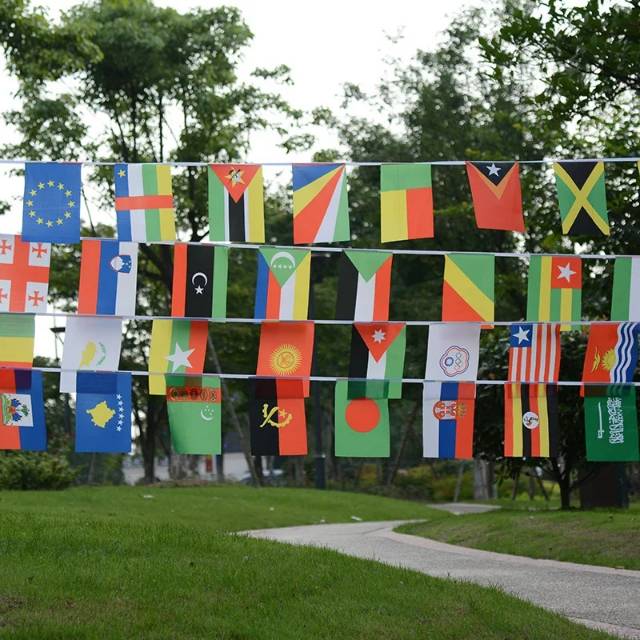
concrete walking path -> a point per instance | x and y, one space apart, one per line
599 597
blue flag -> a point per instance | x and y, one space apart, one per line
103 412
51 207
22 424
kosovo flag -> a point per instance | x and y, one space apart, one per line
51 207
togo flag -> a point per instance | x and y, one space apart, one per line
468 287
611 423
22 425
625 303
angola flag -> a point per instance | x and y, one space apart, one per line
612 352
364 286
625 301
497 199
555 289
582 198
468 287
195 409
236 203
199 281
286 350
278 423
17 333
361 425
377 357
177 346
530 421
406 202
22 424
320 207
282 289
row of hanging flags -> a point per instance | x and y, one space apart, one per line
145 207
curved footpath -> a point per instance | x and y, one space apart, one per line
599 597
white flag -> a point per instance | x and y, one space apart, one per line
453 352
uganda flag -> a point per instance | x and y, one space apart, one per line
278 423
530 421
625 301
236 203
497 199
17 333
582 198
22 425
199 281
554 290
468 287
364 286
406 202
361 425
177 346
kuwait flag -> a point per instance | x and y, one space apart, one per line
108 274
612 352
447 419
282 289
177 346
364 285
17 333
468 287
361 425
406 202
625 303
22 423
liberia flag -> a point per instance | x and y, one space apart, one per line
534 353
612 352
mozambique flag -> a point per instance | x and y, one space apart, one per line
468 287
406 202
530 421
22 423
361 425
364 286
236 203
555 289
625 301
177 346
199 281
194 408
278 423
282 289
16 340
144 202
377 356
582 198
497 199
320 207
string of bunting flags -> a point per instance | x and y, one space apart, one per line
145 213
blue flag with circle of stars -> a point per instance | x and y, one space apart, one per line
51 206
103 412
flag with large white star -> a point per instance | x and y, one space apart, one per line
534 353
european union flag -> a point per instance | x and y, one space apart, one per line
103 412
51 207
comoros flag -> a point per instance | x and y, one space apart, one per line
22 424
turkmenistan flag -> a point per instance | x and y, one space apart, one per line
468 287
611 423
406 202
582 198
194 407
17 333
625 301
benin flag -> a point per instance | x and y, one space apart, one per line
362 425
22 423
468 287
555 289
177 346
582 198
194 408
16 340
406 202
530 421
625 301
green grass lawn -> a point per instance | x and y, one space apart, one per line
603 537
111 563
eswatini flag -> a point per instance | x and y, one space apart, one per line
364 285
22 423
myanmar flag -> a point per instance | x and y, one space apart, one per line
530 421
16 340
468 287
177 346
554 291
195 411
361 425
582 198
22 423
406 202
625 302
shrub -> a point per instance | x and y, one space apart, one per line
22 470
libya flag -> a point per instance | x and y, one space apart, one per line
611 423
362 425
194 408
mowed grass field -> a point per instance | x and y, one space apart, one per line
155 563
603 537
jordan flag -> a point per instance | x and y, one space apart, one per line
497 199
612 352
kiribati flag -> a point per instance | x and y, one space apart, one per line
22 410
612 352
